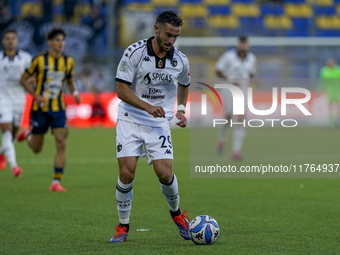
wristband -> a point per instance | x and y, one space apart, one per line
181 108
76 93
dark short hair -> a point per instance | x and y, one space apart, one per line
55 32
242 38
169 17
7 31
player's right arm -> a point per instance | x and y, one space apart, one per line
125 75
25 82
125 94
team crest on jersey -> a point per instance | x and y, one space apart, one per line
122 66
173 62
160 63
119 147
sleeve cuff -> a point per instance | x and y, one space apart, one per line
184 85
123 81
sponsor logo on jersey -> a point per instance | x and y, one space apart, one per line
147 79
153 96
48 67
155 91
122 66
157 77
173 62
55 75
6 68
147 59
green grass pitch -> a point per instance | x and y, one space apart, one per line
256 216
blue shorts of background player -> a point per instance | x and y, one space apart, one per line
41 121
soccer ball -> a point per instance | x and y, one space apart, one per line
204 230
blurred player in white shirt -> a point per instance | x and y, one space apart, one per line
12 97
237 67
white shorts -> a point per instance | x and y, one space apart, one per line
228 99
11 113
139 140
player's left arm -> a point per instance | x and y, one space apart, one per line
182 98
72 87
182 94
70 81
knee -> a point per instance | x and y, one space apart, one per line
165 178
61 145
163 170
36 149
126 176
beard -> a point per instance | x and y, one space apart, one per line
161 45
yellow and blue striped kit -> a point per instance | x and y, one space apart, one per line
50 74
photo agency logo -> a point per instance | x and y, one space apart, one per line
238 105
204 97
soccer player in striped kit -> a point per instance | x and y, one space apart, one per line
51 69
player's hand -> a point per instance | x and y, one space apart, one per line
182 119
156 111
40 100
77 98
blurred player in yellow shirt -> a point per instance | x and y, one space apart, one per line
51 69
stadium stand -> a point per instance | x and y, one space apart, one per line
212 17
265 18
